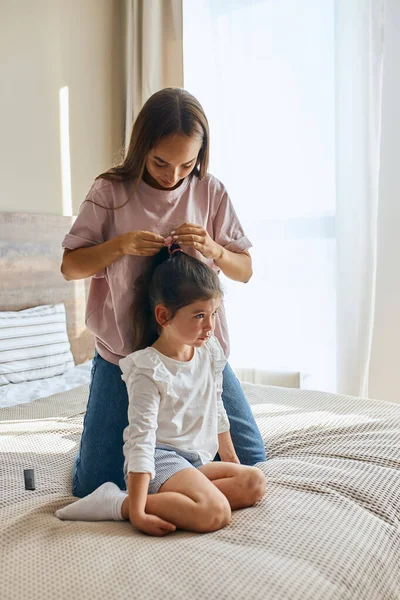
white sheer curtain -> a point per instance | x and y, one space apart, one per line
359 64
292 90
264 72
153 52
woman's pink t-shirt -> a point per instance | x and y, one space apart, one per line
205 203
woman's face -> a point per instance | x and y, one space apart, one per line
173 159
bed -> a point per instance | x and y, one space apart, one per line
327 528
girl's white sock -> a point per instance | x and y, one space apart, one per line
104 504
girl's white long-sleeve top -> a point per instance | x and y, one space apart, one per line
174 403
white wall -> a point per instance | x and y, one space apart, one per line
385 363
44 46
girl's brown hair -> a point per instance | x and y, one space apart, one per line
167 112
173 280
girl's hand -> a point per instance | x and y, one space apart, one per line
141 243
197 237
226 449
138 484
229 457
152 525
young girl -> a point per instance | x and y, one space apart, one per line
161 187
177 421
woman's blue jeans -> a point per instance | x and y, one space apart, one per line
100 457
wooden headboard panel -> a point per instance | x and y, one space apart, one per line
30 258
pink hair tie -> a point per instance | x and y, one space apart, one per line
169 242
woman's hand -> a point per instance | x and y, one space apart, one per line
197 237
141 243
152 525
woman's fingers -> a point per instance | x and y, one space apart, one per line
189 238
150 244
189 228
152 237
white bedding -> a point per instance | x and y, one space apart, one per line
21 393
327 528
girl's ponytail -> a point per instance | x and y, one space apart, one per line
145 330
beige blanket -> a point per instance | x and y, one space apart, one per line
327 528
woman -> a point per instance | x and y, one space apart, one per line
161 189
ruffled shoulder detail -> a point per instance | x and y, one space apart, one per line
217 355
148 362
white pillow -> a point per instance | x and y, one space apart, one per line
34 344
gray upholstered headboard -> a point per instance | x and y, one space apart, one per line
30 258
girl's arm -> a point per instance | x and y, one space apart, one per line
235 265
226 450
140 442
138 484
87 261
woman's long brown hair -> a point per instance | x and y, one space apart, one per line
167 112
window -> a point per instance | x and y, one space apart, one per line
264 73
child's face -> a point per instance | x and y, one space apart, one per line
173 159
193 324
